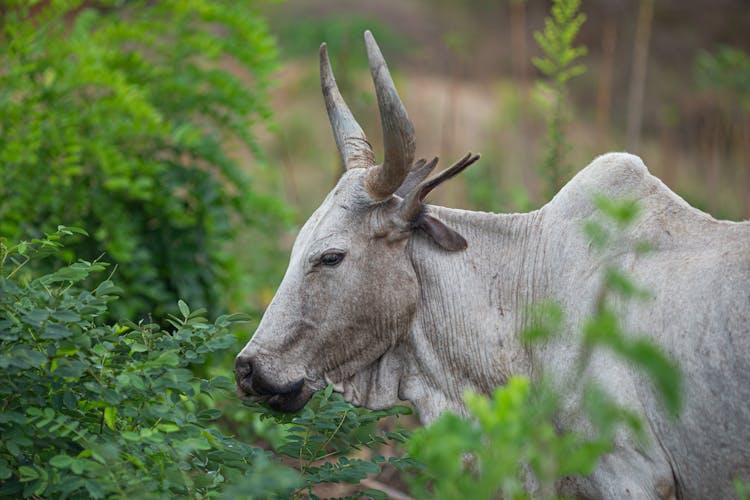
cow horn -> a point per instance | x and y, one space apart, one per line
355 150
398 131
411 206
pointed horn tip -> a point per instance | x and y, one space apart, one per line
326 73
373 49
471 157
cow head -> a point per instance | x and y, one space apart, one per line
350 291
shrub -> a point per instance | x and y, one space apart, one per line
114 116
320 439
96 409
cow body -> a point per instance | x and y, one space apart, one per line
392 300
473 305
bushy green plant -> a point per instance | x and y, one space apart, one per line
115 116
558 64
92 409
511 440
321 438
510 433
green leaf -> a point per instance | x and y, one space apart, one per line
138 347
596 234
27 473
167 427
5 471
36 317
61 461
168 358
66 316
184 309
71 229
622 211
110 417
663 372
130 435
374 494
621 282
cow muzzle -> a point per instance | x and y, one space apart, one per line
253 386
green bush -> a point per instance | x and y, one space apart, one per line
114 116
98 410
320 439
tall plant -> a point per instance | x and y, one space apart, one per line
559 63
115 116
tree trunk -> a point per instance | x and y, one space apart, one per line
604 92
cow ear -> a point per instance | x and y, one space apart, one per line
441 234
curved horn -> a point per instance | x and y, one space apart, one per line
355 151
398 132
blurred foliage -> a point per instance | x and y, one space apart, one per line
341 33
511 446
321 437
95 409
559 64
742 489
726 70
606 232
507 436
114 116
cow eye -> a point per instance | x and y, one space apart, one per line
331 259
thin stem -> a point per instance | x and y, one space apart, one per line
330 438
18 267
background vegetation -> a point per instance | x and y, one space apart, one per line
118 118
149 125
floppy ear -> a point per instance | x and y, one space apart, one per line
441 234
411 209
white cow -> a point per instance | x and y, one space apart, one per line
391 299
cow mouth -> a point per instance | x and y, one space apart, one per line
287 399
291 402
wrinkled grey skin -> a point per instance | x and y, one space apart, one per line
401 318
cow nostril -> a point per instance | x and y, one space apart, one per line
243 368
251 382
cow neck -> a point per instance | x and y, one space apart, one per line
472 305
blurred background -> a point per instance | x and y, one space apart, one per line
667 80
190 139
